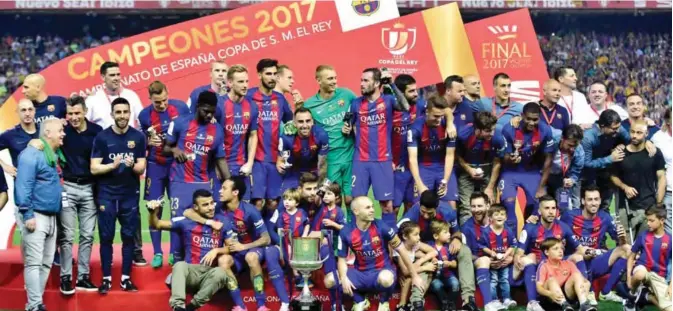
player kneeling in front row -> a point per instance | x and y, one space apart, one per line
424 259
203 245
559 280
649 265
369 240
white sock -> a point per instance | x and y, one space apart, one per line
125 277
109 278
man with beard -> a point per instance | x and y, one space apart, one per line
463 113
98 105
566 168
528 255
118 160
17 138
239 121
431 152
284 84
46 106
369 239
195 144
154 121
479 149
641 178
636 109
556 116
472 90
217 85
589 226
527 159
402 120
574 101
598 96
273 109
302 152
430 208
372 127
500 105
329 107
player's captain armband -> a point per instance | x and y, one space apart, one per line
259 223
523 236
410 136
395 241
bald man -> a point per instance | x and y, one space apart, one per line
46 106
369 239
16 139
556 116
217 85
472 89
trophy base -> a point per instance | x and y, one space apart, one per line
299 305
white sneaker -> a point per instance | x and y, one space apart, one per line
509 303
534 305
494 306
591 298
284 307
360 306
611 296
384 306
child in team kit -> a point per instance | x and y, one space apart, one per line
291 223
424 258
498 241
330 218
444 283
559 280
649 265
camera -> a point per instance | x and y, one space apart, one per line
348 117
386 80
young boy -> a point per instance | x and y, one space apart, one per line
650 261
330 218
444 284
497 242
291 223
559 280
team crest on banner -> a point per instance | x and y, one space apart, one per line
131 144
398 40
365 7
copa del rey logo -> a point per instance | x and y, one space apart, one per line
399 39
504 32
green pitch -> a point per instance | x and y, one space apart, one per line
603 306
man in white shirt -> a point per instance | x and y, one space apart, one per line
571 99
598 98
99 104
662 139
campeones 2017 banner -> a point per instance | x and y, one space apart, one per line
348 35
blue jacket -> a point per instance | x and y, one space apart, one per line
597 149
37 186
577 163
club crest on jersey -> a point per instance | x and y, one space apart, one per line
341 102
381 106
375 240
297 218
246 115
664 245
462 117
209 138
50 108
274 102
131 144
365 7
558 115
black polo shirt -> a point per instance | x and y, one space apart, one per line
77 150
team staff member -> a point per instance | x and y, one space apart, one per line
598 96
328 107
46 107
636 110
118 160
217 85
98 105
472 90
17 138
154 122
501 104
555 115
663 140
574 101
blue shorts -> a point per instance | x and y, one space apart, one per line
367 281
405 188
235 171
599 265
432 177
239 258
266 181
508 185
156 181
378 175
182 195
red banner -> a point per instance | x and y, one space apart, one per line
539 4
507 43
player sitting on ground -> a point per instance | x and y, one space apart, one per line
445 282
559 280
425 265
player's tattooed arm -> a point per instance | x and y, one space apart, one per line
155 222
401 103
661 187
322 167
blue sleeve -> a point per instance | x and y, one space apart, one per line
638 244
548 141
343 244
255 218
254 114
508 139
272 226
386 232
481 105
285 143
287 112
228 228
304 220
567 218
450 217
410 215
511 238
577 164
177 223
340 219
483 241
499 145
323 141
99 148
3 181
568 235
219 143
413 136
193 98
524 239
5 139
139 152
183 109
354 108
25 183
587 146
173 132
143 119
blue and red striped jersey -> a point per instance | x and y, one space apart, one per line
533 235
444 213
304 151
472 233
431 142
532 146
401 122
159 121
655 253
444 254
373 128
497 242
200 239
335 214
370 246
590 232
202 142
478 151
237 120
247 222
273 109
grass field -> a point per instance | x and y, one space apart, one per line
603 306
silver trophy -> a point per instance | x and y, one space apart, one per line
286 159
517 146
305 258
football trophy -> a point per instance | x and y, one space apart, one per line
305 258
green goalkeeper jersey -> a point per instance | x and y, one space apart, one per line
329 114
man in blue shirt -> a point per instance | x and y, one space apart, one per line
46 106
118 160
17 138
455 92
556 116
500 105
38 209
566 168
